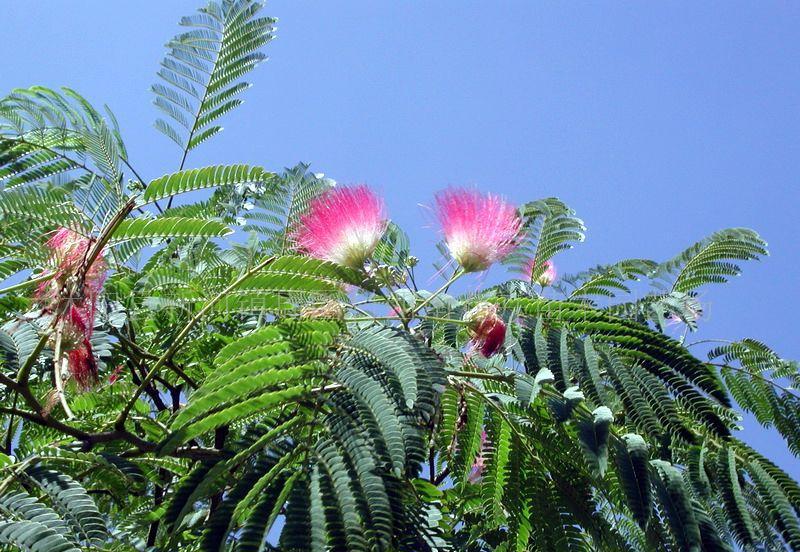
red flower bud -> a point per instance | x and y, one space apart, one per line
486 328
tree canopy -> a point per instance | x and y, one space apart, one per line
235 358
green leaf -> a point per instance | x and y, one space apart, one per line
549 227
168 227
712 260
31 536
731 491
23 505
70 498
207 177
676 501
607 281
594 438
779 506
202 69
632 464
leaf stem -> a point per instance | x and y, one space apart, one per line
765 379
26 283
458 274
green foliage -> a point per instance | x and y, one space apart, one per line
63 518
550 227
208 177
202 70
252 398
711 260
607 281
632 459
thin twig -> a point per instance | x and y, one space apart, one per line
26 283
58 365
456 276
178 339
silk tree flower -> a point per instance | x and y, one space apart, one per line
479 229
76 312
82 365
343 225
68 252
486 329
547 277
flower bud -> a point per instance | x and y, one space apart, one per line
486 328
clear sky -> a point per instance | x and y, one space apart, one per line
657 124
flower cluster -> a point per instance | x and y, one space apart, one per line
486 329
344 225
74 303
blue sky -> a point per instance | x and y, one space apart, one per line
657 124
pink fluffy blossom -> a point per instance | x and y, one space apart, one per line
479 229
342 225
486 328
73 302
546 278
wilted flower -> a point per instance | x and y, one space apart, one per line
342 225
330 310
82 365
479 229
547 277
115 375
690 315
486 328
68 254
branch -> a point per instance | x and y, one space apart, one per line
765 379
178 340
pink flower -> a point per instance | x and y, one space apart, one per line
342 225
115 375
479 229
486 328
68 253
82 366
546 278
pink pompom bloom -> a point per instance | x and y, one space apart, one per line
546 278
486 328
479 229
343 225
